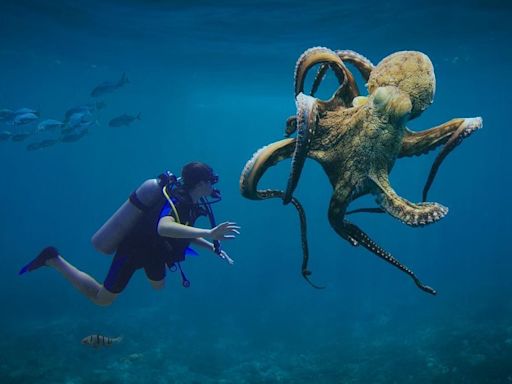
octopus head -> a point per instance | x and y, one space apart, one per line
412 72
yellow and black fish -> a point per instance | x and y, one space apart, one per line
98 340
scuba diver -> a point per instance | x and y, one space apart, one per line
151 230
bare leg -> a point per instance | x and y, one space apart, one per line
157 284
89 287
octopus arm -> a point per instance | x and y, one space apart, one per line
356 236
255 168
450 134
409 213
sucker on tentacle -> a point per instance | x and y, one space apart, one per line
307 118
369 244
254 169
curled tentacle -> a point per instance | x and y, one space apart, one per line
255 168
363 65
307 120
346 91
465 129
363 239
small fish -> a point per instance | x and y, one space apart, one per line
109 86
97 341
74 136
20 136
79 118
23 111
124 119
24 119
48 143
33 146
90 108
6 114
49 125
5 135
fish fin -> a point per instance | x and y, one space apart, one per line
118 339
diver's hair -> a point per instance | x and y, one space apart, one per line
195 172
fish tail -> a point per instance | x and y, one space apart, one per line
117 339
138 116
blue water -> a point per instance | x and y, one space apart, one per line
213 81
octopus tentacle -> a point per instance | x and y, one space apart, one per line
422 142
254 169
363 65
356 236
402 209
260 161
355 232
346 91
467 128
319 77
365 210
307 119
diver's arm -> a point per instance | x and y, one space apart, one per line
206 244
168 227
203 243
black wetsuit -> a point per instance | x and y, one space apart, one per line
145 248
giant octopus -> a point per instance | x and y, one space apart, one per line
357 140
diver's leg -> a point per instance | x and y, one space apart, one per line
155 271
160 284
86 284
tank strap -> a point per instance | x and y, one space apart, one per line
134 199
173 207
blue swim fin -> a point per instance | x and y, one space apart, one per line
40 260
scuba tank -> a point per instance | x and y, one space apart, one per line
109 236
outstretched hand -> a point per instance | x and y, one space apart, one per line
225 231
224 256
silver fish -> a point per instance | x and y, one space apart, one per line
97 341
74 136
124 119
79 118
48 143
20 136
91 107
109 86
6 114
23 111
5 135
25 118
49 125
33 146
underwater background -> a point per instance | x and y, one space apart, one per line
213 81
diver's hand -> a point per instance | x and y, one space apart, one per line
224 256
225 231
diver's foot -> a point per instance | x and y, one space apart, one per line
40 260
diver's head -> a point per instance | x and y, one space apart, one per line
198 179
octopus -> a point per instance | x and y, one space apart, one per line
357 139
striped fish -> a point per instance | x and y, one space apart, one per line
97 341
